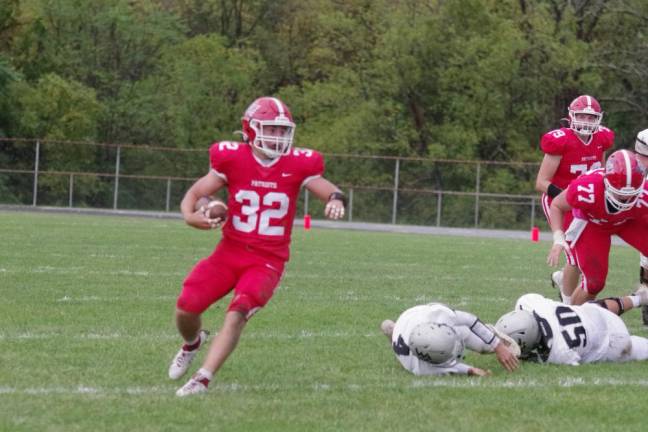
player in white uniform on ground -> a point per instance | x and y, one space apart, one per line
429 340
551 332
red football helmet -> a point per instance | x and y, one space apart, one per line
268 126
624 179
585 124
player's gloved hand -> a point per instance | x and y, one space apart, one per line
559 245
334 209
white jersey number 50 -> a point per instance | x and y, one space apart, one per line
250 209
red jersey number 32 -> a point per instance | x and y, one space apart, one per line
252 219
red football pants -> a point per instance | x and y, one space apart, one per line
231 267
591 250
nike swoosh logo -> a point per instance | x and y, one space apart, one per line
285 174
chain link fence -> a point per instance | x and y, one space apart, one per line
382 189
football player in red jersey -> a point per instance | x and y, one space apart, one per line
263 175
570 152
604 202
641 148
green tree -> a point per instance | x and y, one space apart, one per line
7 76
620 49
235 20
55 108
197 95
108 46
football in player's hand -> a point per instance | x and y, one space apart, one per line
201 204
216 209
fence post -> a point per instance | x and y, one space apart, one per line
71 190
438 215
168 195
532 212
36 162
395 201
350 209
305 201
477 184
117 160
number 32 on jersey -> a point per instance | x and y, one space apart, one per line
251 219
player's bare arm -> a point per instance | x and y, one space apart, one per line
203 187
559 206
330 194
548 168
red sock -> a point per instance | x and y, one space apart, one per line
204 381
192 346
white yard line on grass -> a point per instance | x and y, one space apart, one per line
323 387
113 299
85 271
301 334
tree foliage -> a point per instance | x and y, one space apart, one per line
461 79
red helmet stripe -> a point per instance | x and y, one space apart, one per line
280 107
589 101
628 164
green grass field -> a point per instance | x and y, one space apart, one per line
86 335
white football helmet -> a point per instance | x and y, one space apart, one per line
522 327
436 343
641 143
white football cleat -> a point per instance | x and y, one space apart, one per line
183 359
197 384
642 293
557 282
557 279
